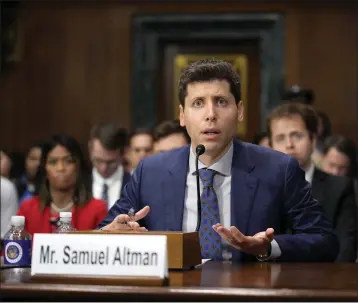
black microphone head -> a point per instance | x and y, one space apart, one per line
200 149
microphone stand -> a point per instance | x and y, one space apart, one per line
200 149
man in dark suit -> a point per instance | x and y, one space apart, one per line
248 191
292 129
340 156
106 148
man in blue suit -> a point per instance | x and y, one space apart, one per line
250 194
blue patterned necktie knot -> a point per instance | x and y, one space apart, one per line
207 176
210 241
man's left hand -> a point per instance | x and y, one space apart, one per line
255 245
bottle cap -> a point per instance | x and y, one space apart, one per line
65 214
18 221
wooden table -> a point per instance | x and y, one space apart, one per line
210 282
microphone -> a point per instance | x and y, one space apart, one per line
200 149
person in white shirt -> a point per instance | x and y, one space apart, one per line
5 164
9 204
106 147
292 130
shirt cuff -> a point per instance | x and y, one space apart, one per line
275 250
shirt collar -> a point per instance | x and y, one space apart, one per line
117 175
309 173
222 166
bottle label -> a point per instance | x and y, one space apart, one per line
17 252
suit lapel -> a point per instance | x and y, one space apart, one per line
174 186
243 188
125 179
317 185
320 191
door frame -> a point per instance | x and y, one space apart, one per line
150 31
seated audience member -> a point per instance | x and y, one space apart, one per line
140 146
169 135
62 186
8 203
106 149
262 139
26 183
292 130
5 165
340 157
296 94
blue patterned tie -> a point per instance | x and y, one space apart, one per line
210 241
105 193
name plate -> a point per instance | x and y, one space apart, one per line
100 255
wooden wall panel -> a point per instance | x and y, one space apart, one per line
328 52
74 73
76 64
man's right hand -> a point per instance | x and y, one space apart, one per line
124 222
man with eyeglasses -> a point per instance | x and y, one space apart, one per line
292 129
106 147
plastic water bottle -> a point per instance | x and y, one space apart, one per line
65 224
17 243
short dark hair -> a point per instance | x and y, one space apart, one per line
170 127
110 135
209 70
82 193
306 112
345 146
140 131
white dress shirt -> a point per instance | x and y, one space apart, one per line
309 173
222 187
114 184
9 204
